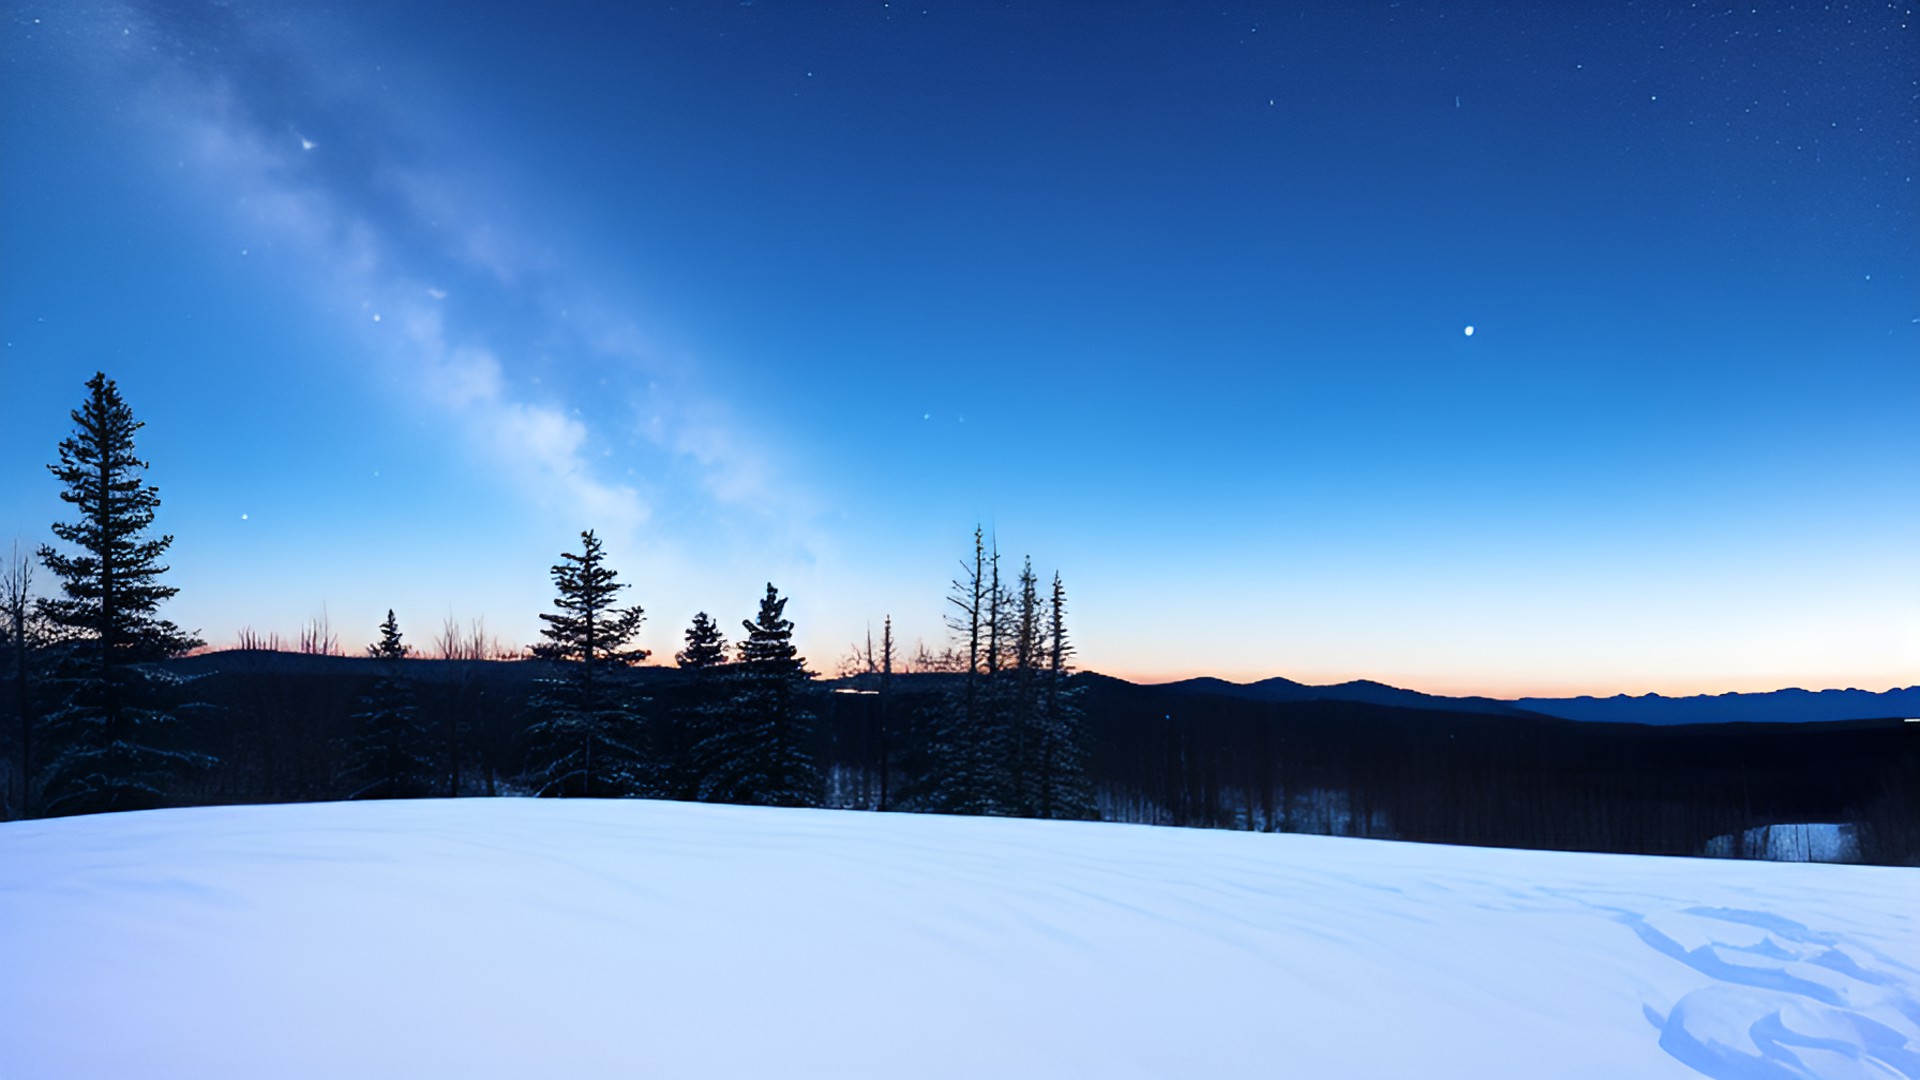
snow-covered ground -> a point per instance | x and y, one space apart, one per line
598 939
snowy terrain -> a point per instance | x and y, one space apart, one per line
588 939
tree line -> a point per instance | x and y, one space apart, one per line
101 723
102 711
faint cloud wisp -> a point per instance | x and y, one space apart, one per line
448 295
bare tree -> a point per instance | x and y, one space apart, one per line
317 637
860 658
995 613
969 600
484 646
925 660
448 644
471 642
253 640
20 635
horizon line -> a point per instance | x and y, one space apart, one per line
1158 679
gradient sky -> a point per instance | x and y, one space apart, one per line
1174 300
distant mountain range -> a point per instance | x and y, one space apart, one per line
1777 707
1363 690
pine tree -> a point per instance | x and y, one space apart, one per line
391 645
1063 790
706 646
390 755
586 738
994 744
969 739
886 734
957 751
1025 713
761 748
697 710
116 744
1027 629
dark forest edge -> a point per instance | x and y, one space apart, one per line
110 708
280 722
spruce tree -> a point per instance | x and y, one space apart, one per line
391 646
969 745
116 744
697 706
1062 787
1025 713
390 755
885 741
586 736
958 752
706 645
994 743
1028 628
761 748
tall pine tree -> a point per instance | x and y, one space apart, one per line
116 744
390 755
1022 694
586 736
1062 787
963 752
761 747
995 754
884 716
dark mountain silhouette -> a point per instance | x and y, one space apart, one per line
1791 706
1361 690
1778 707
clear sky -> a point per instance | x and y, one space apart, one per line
1175 300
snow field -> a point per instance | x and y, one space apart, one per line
516 937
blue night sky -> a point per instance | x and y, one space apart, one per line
1172 299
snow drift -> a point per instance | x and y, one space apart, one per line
628 938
